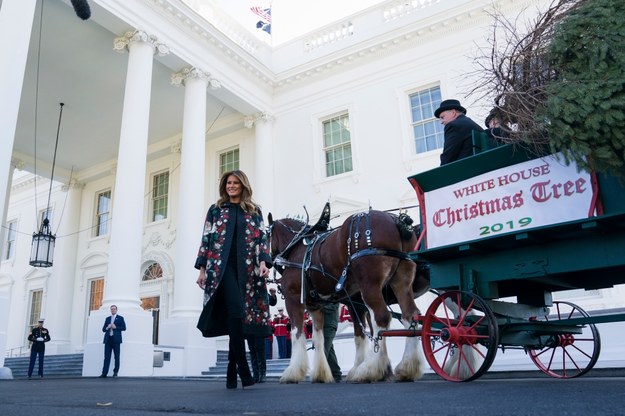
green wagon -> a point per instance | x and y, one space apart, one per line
508 224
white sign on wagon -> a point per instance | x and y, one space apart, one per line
531 194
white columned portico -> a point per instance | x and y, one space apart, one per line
64 271
180 328
263 185
124 270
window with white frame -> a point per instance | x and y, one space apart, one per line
9 243
36 299
152 272
337 145
160 196
96 294
228 161
103 213
428 132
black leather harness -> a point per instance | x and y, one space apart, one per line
311 239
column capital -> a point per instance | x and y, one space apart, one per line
176 147
122 43
250 121
73 184
17 163
180 77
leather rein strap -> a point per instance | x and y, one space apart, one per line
306 265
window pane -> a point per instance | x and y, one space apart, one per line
9 244
228 161
103 213
337 145
160 196
36 296
153 271
96 293
427 130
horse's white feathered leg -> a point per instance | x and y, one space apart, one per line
376 365
466 359
410 368
361 344
321 372
298 366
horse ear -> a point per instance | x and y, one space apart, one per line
270 218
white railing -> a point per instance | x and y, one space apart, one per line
17 352
403 7
329 35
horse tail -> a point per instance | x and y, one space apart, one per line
404 225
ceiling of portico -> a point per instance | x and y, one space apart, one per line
74 62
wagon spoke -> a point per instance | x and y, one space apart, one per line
469 341
579 353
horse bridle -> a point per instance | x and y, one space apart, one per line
280 261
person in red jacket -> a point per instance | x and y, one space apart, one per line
308 325
344 315
280 322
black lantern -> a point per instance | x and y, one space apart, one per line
42 247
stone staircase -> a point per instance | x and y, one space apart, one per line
70 365
61 365
275 367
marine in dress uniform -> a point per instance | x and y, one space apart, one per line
38 336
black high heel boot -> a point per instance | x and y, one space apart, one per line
237 346
246 377
231 374
261 359
251 344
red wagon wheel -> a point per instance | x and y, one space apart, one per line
459 344
568 355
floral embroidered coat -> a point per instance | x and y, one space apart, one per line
252 248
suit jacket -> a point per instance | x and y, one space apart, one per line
120 325
458 139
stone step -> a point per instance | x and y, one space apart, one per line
275 367
61 365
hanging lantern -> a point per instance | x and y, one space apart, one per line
42 247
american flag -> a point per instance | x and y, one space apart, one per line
263 13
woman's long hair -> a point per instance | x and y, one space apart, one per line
247 203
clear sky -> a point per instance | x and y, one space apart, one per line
293 18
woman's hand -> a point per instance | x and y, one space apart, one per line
201 280
264 271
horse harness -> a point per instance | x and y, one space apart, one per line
311 238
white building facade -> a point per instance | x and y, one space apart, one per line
343 114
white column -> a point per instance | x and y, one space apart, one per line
263 185
123 277
124 271
180 328
187 301
16 19
61 289
5 300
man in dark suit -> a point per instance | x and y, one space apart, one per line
458 131
38 336
113 327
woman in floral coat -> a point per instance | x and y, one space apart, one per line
234 262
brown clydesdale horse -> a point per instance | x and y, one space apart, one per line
364 258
